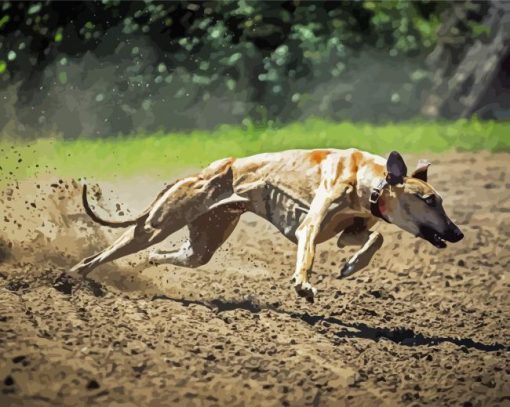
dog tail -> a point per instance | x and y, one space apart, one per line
97 219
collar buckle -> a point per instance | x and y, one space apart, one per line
376 192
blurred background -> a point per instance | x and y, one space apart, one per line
129 96
104 68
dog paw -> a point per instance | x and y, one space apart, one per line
347 270
78 272
65 283
152 260
306 291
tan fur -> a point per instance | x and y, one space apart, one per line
317 156
309 195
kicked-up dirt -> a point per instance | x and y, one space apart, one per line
418 326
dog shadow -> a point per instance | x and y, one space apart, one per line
400 335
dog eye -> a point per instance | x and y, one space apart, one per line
430 200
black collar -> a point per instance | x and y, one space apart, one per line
375 194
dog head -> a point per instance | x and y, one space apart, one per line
414 205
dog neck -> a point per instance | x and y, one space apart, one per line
371 184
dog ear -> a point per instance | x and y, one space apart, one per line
396 168
421 170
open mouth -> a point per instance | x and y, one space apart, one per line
432 236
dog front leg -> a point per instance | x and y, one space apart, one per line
306 235
363 256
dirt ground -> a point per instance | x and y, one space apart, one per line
419 326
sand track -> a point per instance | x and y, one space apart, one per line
418 326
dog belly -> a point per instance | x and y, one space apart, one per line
284 211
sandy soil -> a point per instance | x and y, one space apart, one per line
419 326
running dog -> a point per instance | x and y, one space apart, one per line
309 195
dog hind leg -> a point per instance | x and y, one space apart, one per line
134 239
184 202
206 234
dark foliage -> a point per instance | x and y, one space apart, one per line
100 68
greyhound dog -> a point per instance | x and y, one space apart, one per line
309 195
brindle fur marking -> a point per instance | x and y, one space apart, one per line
309 195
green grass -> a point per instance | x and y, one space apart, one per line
164 154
